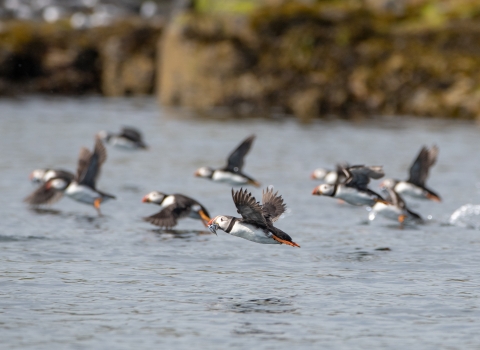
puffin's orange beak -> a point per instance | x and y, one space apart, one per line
30 177
210 222
312 176
196 173
316 191
145 199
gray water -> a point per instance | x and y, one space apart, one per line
72 280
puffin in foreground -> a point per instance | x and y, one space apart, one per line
232 172
354 189
415 185
128 138
82 188
257 220
174 207
394 209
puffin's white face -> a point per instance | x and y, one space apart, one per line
37 175
154 197
103 135
57 184
204 172
319 174
324 190
388 183
218 222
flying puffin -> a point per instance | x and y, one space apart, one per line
395 208
232 172
257 220
128 138
53 184
354 189
174 207
415 185
82 188
40 176
330 176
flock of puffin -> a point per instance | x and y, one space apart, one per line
347 183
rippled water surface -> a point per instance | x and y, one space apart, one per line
70 279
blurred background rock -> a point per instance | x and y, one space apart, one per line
343 58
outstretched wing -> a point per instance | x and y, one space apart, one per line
273 206
358 176
235 160
44 195
131 134
420 167
248 207
90 172
167 217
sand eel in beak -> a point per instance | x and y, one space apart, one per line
232 172
82 188
330 176
128 138
40 176
415 185
51 190
354 189
175 207
395 209
257 220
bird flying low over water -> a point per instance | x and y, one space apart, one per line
83 187
232 173
354 189
257 220
128 138
395 208
174 207
415 185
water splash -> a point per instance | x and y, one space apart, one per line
467 215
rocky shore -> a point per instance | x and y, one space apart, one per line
345 59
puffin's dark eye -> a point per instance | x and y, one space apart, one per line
223 219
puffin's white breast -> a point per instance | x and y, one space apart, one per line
81 193
227 177
252 233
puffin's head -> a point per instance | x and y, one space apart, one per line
58 184
154 197
219 222
104 135
388 183
319 174
37 175
324 190
204 172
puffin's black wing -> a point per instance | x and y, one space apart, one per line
420 167
131 133
168 216
273 205
235 160
248 207
358 176
91 169
44 195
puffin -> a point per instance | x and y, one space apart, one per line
232 173
128 138
40 176
415 185
257 220
52 185
395 208
330 176
353 189
174 207
83 188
